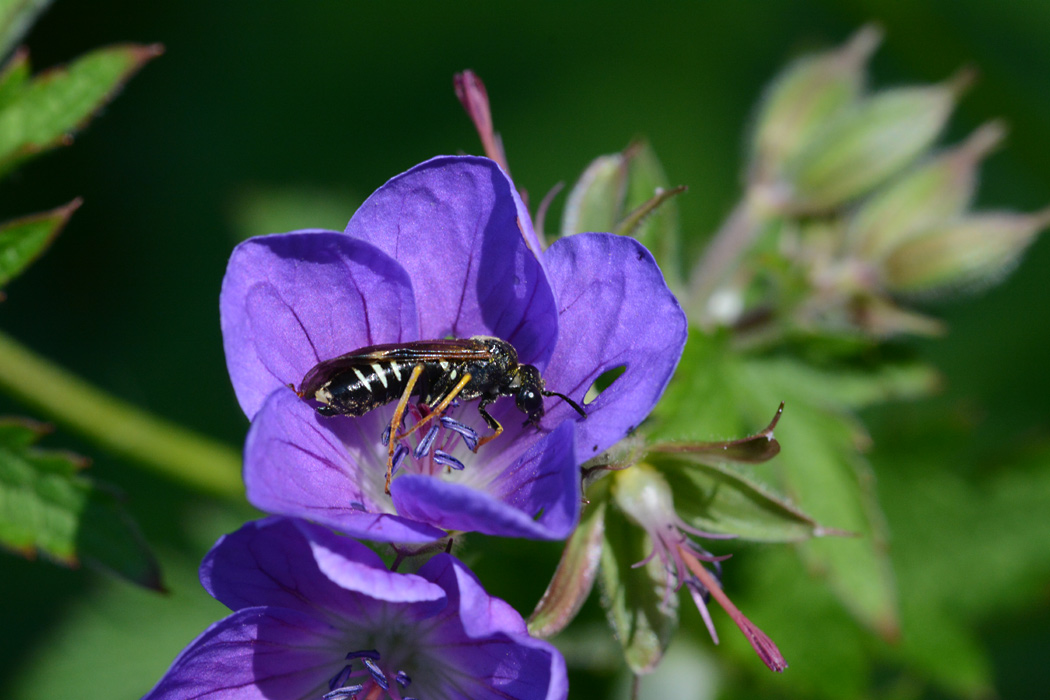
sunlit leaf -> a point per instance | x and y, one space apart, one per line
47 506
47 110
23 240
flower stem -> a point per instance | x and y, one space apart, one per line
121 428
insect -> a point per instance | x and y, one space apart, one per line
438 371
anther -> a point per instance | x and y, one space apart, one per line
363 654
386 437
426 443
399 456
402 679
377 673
445 459
469 435
339 679
349 691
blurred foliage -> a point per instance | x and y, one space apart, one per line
337 97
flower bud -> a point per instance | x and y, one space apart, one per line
933 193
972 252
867 144
803 97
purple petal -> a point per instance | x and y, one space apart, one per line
294 564
454 224
614 310
289 301
538 497
255 653
299 463
488 654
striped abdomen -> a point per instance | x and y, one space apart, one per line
361 387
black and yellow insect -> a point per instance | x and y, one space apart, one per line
438 371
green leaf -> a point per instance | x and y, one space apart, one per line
723 500
820 467
574 577
45 112
23 240
641 609
16 17
13 76
47 506
595 202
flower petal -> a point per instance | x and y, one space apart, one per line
488 654
289 563
289 301
537 497
453 222
299 463
615 310
256 653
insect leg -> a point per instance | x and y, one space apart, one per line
440 408
395 423
492 423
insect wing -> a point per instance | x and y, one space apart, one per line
410 353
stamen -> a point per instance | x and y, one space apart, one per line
385 439
423 448
469 435
339 679
399 456
402 679
445 459
377 673
363 654
349 691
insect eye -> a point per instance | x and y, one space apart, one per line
530 402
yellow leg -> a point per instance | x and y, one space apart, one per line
489 438
395 423
440 408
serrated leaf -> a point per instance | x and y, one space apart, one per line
23 240
16 17
574 577
820 467
45 112
47 506
641 610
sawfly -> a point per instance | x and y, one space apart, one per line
438 372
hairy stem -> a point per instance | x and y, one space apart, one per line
121 428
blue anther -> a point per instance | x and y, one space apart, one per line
399 456
363 654
386 437
347 692
377 673
469 435
402 679
426 443
340 678
444 458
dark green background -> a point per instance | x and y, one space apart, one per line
333 98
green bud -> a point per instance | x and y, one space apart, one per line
867 144
627 193
973 252
932 193
803 97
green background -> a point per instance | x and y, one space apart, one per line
318 103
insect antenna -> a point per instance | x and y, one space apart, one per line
567 400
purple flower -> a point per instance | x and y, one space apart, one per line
443 250
316 614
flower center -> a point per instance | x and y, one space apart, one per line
435 442
369 682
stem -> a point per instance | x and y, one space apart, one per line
722 253
170 450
